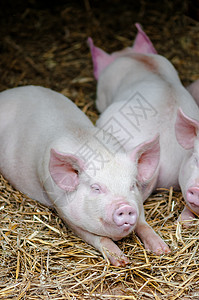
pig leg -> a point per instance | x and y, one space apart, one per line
103 244
150 239
186 217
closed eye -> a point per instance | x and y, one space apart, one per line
133 186
96 188
196 160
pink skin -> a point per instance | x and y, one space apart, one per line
186 134
194 90
65 177
105 245
117 79
125 216
151 242
120 213
52 168
193 196
142 43
121 217
101 59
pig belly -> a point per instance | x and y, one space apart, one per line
19 171
27 123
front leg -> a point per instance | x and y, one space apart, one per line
103 244
186 217
152 241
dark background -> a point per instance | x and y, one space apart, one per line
45 42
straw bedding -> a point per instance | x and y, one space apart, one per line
45 44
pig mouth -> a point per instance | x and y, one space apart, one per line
125 229
192 198
117 232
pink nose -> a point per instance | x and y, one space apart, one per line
125 215
193 196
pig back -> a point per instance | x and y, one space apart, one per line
31 118
145 108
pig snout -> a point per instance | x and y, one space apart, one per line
125 216
193 196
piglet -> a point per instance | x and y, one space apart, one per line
101 59
187 134
139 95
51 151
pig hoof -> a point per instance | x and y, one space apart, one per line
152 241
120 261
185 223
158 246
112 253
186 218
163 249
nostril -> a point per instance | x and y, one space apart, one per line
125 214
193 196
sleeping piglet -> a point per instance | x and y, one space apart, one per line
139 93
187 133
51 151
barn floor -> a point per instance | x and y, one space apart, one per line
45 43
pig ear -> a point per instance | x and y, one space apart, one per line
186 130
194 90
100 58
147 156
64 170
142 43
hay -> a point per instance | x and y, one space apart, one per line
42 259
39 257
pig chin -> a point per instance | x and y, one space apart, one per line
194 208
116 232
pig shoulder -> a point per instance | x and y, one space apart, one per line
129 70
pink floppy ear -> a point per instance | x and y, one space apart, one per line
100 58
142 43
64 170
147 156
186 130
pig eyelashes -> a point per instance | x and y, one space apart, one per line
96 188
133 186
195 160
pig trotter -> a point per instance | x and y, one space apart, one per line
113 253
105 245
186 217
151 240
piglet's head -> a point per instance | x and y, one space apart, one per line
109 202
101 59
187 135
